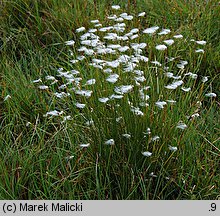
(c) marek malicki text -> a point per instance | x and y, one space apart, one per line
54 207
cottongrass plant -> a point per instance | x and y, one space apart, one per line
130 96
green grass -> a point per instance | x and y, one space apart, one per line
41 157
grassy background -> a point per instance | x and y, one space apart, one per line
33 161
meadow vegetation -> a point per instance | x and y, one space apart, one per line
106 102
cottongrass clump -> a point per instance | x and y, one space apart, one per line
135 90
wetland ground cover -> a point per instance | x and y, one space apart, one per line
109 100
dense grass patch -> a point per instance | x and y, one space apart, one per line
52 148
